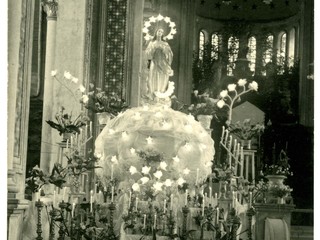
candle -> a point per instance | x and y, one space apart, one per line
73 207
186 198
216 197
64 193
164 206
129 199
171 201
71 142
227 134
250 199
112 193
54 198
111 171
90 129
91 200
217 215
37 196
86 129
67 145
137 204
233 199
76 138
144 220
155 221
210 192
223 130
197 176
203 203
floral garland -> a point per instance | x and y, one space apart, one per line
159 18
167 93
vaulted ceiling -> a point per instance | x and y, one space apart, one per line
249 10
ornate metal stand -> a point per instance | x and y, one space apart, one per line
53 214
39 205
171 224
185 211
250 213
62 228
111 234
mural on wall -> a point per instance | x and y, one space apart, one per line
115 47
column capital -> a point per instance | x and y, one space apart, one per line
51 8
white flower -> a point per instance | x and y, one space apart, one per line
186 171
157 186
85 98
158 174
224 93
242 82
133 170
176 159
144 180
220 103
82 88
232 87
114 159
136 187
196 92
168 182
253 86
98 155
74 79
146 170
67 75
132 150
163 165
54 73
181 181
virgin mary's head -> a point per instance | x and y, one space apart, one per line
159 33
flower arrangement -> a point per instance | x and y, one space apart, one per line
279 190
282 167
65 124
99 101
222 172
235 95
37 178
246 130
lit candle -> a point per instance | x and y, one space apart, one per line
250 199
73 207
186 198
91 200
210 192
112 193
216 197
164 206
54 198
144 220
90 128
197 176
171 201
217 215
137 204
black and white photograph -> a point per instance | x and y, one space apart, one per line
158 120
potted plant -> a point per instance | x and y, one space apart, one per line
104 105
65 125
279 192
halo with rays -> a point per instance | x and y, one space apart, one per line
155 23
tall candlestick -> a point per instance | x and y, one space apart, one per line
250 199
164 206
203 203
210 192
90 129
186 198
171 201
71 142
129 199
227 134
216 197
233 200
223 131
91 200
67 145
155 221
217 215
64 193
112 193
72 211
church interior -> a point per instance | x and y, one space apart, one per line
160 119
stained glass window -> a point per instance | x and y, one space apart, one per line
215 46
281 58
201 44
291 51
233 49
252 53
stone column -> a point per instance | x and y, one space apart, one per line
51 8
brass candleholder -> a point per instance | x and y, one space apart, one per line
39 205
111 233
185 211
250 213
62 228
54 213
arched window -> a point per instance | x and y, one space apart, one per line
201 44
233 49
252 53
281 58
267 51
215 46
291 52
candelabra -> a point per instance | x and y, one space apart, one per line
53 214
111 233
185 211
39 206
250 213
62 228
171 224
